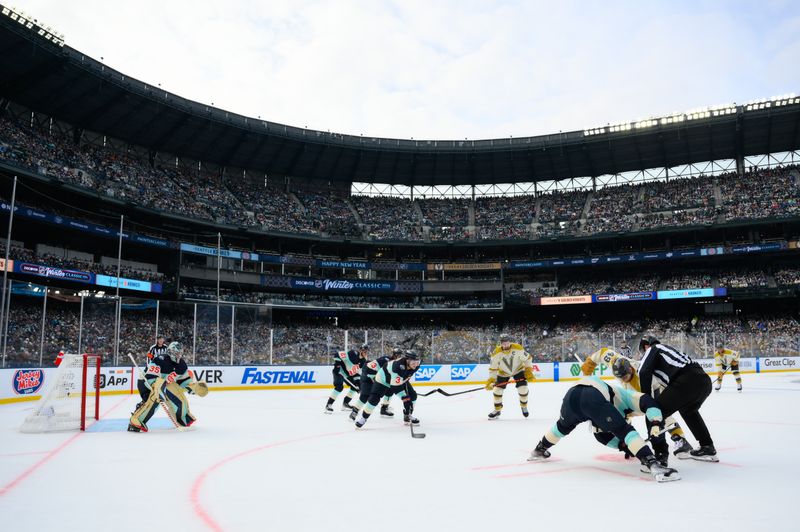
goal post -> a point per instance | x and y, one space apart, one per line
64 404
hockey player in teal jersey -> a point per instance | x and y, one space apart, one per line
368 372
393 377
346 370
606 406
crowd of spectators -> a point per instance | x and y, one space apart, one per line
411 302
388 218
247 341
188 191
46 259
787 276
761 193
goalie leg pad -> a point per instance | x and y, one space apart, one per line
178 404
146 408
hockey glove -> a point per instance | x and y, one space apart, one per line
655 430
529 376
624 448
490 383
199 388
408 406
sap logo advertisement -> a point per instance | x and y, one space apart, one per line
27 381
426 373
256 376
460 372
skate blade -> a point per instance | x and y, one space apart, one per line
667 478
683 456
704 458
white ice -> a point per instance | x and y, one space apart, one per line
271 460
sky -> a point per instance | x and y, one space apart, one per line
443 69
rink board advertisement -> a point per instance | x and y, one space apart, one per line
30 383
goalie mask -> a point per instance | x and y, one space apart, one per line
175 348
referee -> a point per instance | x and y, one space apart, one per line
687 387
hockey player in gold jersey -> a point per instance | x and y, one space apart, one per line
629 379
727 358
509 361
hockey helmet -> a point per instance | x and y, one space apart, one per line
504 338
364 347
397 352
411 355
175 347
621 367
647 340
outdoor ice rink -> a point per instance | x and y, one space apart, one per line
271 460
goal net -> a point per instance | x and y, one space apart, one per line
72 397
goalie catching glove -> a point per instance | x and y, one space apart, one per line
198 388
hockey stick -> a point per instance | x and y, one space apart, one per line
449 394
662 431
577 357
418 435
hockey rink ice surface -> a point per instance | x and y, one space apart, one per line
271 460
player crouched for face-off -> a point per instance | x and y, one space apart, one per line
166 382
625 370
606 406
509 360
393 379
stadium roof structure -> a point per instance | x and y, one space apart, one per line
39 72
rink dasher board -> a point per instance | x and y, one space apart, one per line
28 384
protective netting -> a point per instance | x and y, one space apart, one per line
69 400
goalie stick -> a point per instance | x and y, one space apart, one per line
161 402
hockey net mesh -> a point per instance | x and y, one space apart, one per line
68 403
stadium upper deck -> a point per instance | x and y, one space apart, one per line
38 71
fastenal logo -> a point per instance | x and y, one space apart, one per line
27 381
426 373
460 372
254 376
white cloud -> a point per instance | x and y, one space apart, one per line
445 69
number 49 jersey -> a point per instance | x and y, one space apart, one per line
348 362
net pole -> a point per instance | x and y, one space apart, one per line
3 309
83 392
118 314
44 321
80 326
97 388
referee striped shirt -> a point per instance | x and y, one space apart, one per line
662 362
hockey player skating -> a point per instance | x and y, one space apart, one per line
591 399
509 360
625 370
168 380
686 388
346 370
727 358
368 373
393 378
